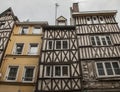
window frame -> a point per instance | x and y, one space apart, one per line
62 44
48 44
14 49
38 27
101 41
46 71
8 71
29 48
24 71
21 28
105 69
61 73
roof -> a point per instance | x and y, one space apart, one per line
33 23
61 18
9 10
102 12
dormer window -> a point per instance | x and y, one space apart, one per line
61 21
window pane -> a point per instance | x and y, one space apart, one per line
93 41
33 49
29 74
58 44
12 73
103 41
37 30
24 30
65 45
65 71
19 48
108 69
49 44
116 68
98 40
57 71
100 69
48 70
108 40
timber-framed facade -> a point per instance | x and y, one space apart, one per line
99 47
7 20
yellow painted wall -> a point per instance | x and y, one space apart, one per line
20 60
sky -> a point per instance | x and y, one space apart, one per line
44 10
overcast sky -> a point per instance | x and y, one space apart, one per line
44 10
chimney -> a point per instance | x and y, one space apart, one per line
75 7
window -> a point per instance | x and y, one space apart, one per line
95 19
89 21
48 71
12 73
29 73
33 50
37 30
111 68
50 45
18 48
24 30
61 44
61 23
61 71
101 19
101 40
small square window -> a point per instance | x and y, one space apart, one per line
18 48
37 30
33 50
24 30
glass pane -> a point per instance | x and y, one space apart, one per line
50 45
19 48
108 69
12 73
65 71
58 44
103 41
33 49
29 74
98 40
37 30
116 68
57 71
93 41
65 45
108 40
47 70
100 69
24 30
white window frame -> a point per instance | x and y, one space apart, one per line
46 71
102 18
95 21
22 28
62 44
8 70
100 38
103 63
14 49
90 20
23 77
30 47
48 44
61 73
38 27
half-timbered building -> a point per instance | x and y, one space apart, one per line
7 20
59 66
98 37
